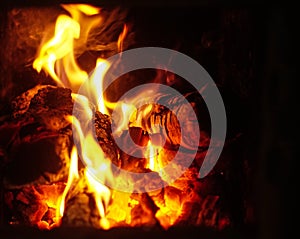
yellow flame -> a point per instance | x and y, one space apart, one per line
153 157
73 174
84 8
96 84
57 56
59 47
101 194
97 166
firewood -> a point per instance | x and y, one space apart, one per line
105 138
40 140
159 119
44 105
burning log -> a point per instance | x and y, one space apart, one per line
39 141
104 136
39 129
163 124
41 137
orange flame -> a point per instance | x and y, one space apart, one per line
57 58
121 38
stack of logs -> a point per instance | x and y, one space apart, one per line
34 143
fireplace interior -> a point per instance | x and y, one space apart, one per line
238 45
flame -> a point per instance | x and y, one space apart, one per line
73 174
84 8
121 38
57 56
97 165
153 157
101 194
60 47
96 84
124 112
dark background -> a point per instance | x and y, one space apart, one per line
250 50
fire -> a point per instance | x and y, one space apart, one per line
121 38
102 196
58 52
96 84
152 156
57 57
124 112
73 175
84 8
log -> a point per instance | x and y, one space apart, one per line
105 138
158 119
40 137
36 145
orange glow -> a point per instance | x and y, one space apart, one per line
121 38
73 174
